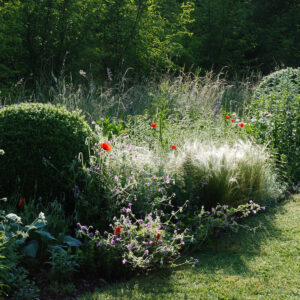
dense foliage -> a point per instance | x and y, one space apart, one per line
31 135
275 118
107 37
183 167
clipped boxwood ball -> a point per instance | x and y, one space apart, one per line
277 82
32 133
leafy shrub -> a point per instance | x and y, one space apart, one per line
33 239
275 118
117 176
31 133
21 286
226 174
63 264
4 267
280 81
139 243
157 239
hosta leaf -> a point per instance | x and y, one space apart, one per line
31 248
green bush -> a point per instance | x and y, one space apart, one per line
284 80
33 133
275 118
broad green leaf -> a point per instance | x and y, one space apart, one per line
72 242
31 248
45 234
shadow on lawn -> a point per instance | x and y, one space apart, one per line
227 253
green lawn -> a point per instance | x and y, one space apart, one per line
244 265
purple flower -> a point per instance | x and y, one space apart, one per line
197 197
196 260
134 198
124 261
254 211
205 183
263 208
167 180
148 184
151 242
130 178
148 224
91 234
129 246
232 218
226 206
165 248
166 253
83 227
78 244
113 242
116 177
182 242
146 251
159 190
140 221
44 159
98 244
175 231
250 201
129 204
93 122
124 209
208 212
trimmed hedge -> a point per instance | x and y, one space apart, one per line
31 133
275 118
280 81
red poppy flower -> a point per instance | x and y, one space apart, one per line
21 202
158 235
118 230
232 121
105 146
154 125
241 125
227 117
174 147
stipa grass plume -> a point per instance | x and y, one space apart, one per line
224 173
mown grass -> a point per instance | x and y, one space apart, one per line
264 264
